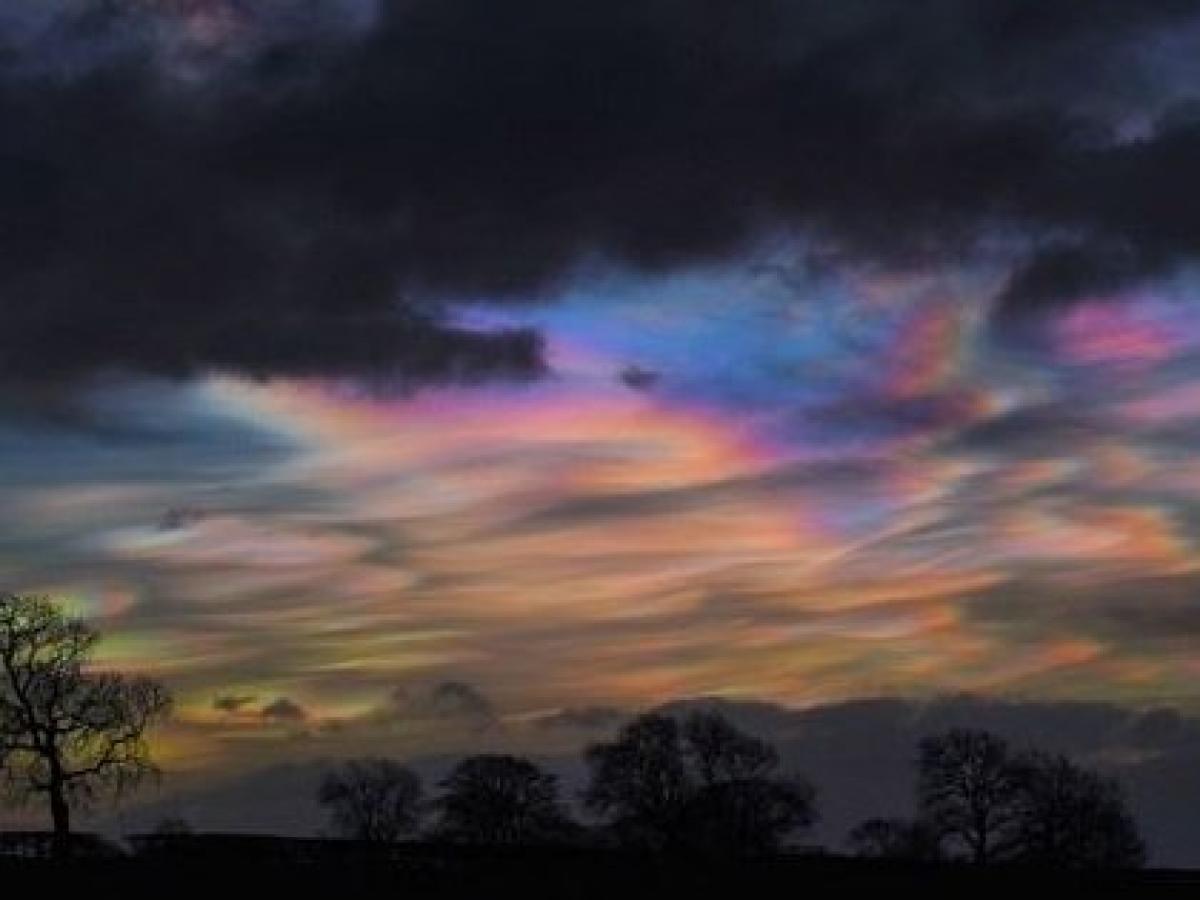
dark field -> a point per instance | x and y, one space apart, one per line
215 863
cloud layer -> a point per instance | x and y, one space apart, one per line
294 188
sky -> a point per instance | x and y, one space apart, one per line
402 376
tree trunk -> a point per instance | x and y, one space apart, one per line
60 815
981 836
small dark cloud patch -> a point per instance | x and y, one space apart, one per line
457 698
284 710
888 416
454 703
178 518
233 703
1061 273
1042 430
639 379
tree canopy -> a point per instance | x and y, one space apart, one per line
501 799
1033 807
372 799
704 784
67 731
965 791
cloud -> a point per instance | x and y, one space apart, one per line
233 703
1062 272
304 198
1037 430
445 703
284 710
495 546
1114 610
452 699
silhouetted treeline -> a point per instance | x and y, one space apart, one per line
660 784
663 786
979 801
699 784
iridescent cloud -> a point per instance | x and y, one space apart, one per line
804 507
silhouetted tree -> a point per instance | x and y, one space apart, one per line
68 733
720 752
738 804
748 815
500 799
372 799
639 782
899 839
706 785
965 791
1069 817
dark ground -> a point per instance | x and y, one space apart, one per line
249 867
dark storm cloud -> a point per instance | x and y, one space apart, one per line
1064 271
288 197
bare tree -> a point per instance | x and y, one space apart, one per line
501 799
1067 816
706 785
965 791
639 782
720 752
748 816
66 732
739 805
372 799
